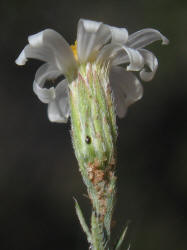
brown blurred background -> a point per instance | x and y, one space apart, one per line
38 170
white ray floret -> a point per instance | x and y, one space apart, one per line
96 43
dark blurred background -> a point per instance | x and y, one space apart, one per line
38 170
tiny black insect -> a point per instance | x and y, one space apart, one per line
88 139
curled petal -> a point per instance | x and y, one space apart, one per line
63 55
22 58
42 54
120 57
51 47
127 89
91 36
145 37
152 63
58 109
108 52
119 35
121 54
135 58
44 73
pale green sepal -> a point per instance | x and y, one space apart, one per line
121 239
83 222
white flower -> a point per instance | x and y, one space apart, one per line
98 43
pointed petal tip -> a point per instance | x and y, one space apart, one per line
21 59
144 37
165 41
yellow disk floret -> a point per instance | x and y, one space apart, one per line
74 49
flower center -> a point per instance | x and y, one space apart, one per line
74 49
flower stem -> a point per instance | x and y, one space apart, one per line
94 136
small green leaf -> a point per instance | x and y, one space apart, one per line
82 221
121 239
129 247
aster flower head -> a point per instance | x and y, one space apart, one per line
99 83
96 44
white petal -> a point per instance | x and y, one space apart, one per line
43 54
59 110
135 58
151 61
51 47
119 35
91 36
120 58
121 54
63 55
22 59
145 37
108 52
44 73
127 89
